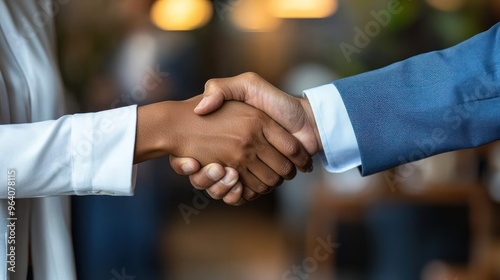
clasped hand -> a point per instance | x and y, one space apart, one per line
237 152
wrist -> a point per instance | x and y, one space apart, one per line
311 123
154 132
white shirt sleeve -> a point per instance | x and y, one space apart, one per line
78 154
340 147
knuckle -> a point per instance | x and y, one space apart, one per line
288 170
251 76
277 183
195 182
246 141
261 188
215 193
293 149
307 162
212 84
243 157
238 202
250 195
274 180
231 200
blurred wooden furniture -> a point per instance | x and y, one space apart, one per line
328 208
226 245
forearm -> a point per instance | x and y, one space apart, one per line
426 105
72 155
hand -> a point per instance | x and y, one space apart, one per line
236 136
294 114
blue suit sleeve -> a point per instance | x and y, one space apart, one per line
429 104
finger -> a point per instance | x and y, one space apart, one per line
184 166
277 162
252 184
207 176
218 90
213 97
223 187
249 194
234 196
288 145
266 175
209 103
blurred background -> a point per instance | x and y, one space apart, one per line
434 219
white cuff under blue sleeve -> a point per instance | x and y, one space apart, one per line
340 147
82 154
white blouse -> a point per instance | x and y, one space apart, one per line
42 158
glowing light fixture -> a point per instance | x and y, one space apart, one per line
181 14
446 5
303 8
254 16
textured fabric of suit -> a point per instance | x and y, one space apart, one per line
429 104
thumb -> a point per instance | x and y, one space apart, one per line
209 103
184 166
218 90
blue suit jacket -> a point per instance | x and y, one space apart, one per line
426 105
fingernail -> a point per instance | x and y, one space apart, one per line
214 174
202 103
236 188
187 168
227 180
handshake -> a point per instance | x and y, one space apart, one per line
239 140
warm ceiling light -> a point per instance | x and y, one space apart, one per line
447 5
254 16
181 14
303 8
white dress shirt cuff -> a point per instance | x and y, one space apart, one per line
103 151
340 147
